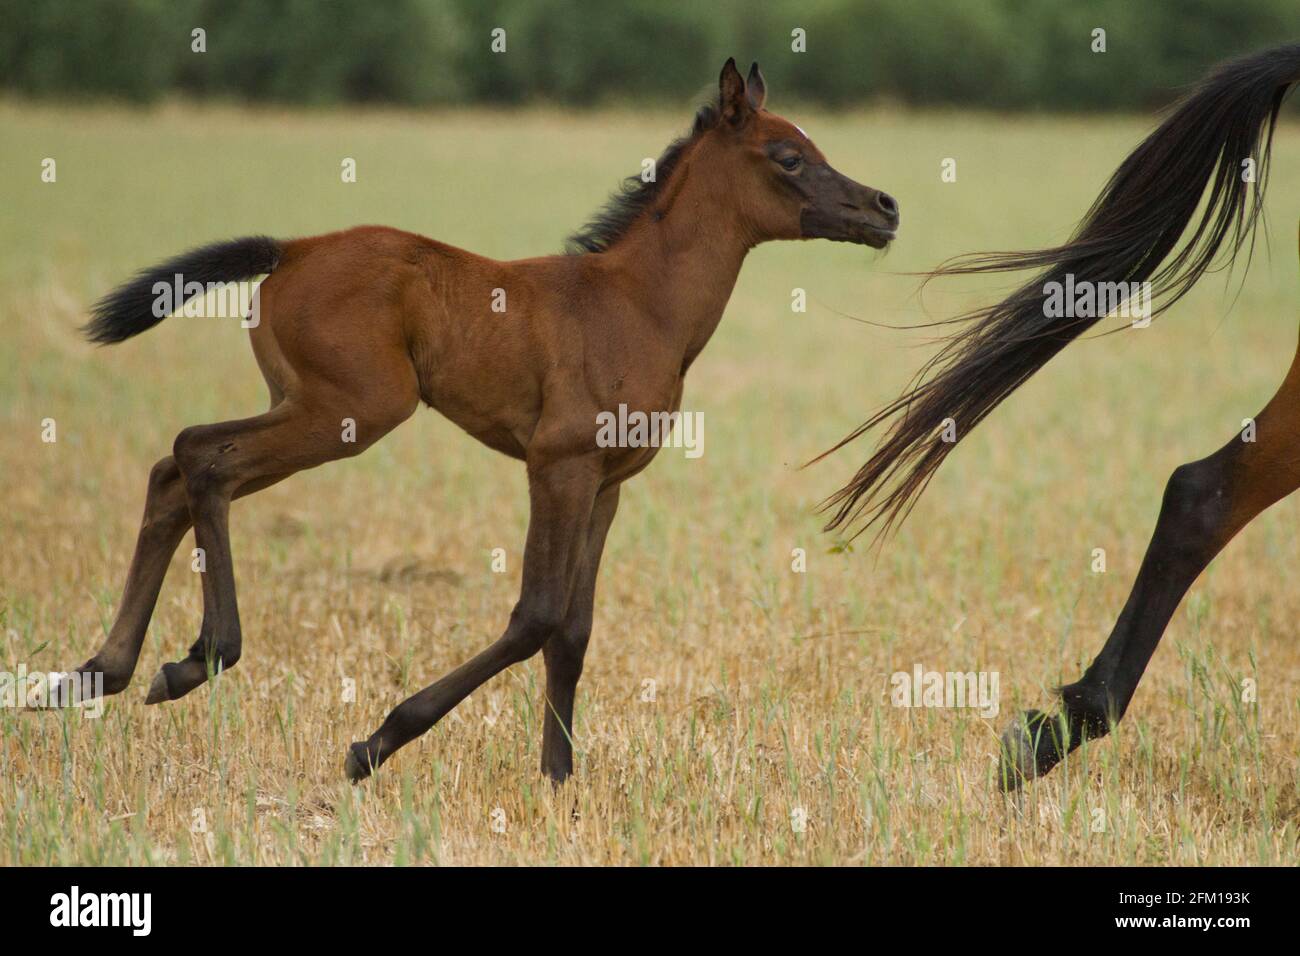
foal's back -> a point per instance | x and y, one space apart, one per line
485 342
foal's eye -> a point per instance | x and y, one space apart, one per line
790 163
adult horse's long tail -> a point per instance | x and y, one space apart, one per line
1215 136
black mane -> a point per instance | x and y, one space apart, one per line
634 195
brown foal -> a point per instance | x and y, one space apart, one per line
525 356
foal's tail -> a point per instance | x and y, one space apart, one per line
145 300
1217 135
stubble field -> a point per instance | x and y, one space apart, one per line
732 710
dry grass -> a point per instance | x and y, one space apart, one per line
771 688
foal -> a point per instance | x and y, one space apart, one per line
1216 137
525 356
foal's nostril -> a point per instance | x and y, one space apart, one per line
887 204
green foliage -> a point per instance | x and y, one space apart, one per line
1015 54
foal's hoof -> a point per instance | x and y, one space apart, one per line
1029 749
357 763
158 691
175 680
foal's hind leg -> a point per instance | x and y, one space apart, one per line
166 519
1206 503
218 460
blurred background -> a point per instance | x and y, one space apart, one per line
1005 54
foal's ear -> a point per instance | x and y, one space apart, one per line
731 94
755 88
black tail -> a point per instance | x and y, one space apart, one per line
134 307
1132 228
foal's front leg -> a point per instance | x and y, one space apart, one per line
561 494
567 647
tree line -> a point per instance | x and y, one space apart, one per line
1086 55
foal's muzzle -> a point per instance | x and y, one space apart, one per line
846 211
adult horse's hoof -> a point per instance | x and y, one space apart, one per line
1029 749
357 763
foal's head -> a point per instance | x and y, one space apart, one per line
778 183
784 185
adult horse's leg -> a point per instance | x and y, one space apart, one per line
565 650
561 498
219 460
1205 504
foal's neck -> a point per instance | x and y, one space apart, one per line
683 257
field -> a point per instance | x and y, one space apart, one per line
732 710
